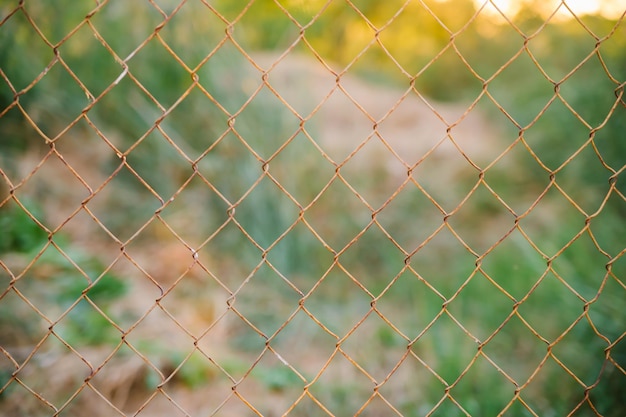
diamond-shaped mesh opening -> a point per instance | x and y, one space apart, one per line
342 388
478 145
413 15
188 23
520 191
409 198
176 222
231 272
577 134
340 133
34 60
481 202
317 169
291 257
565 352
372 335
23 401
233 176
384 259
64 189
568 389
265 213
265 136
19 135
339 198
376 188
480 321
456 350
302 86
299 208
351 39
71 100
195 371
479 34
515 339
69 371
411 294
272 376
490 389
56 267
191 137
458 173
22 327
138 212
603 94
449 59
103 69
275 309
558 70
535 95
175 163
514 266
55 32
408 387
124 98
411 129
305 334
107 23
437 273
337 311
564 220
545 321
256 18
374 51
92 170
581 266
148 70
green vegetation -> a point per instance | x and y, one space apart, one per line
187 130
57 280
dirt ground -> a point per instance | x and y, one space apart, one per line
354 111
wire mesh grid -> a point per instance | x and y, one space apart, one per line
191 226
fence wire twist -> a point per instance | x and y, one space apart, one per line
194 227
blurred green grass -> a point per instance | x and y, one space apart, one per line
443 271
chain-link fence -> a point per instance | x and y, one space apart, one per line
325 207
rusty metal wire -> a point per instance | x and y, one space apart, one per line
333 253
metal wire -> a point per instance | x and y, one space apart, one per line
217 290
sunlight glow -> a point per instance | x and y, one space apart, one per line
607 8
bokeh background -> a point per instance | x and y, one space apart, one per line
312 207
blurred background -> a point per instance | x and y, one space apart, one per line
312 208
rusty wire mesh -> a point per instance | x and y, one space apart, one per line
257 233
